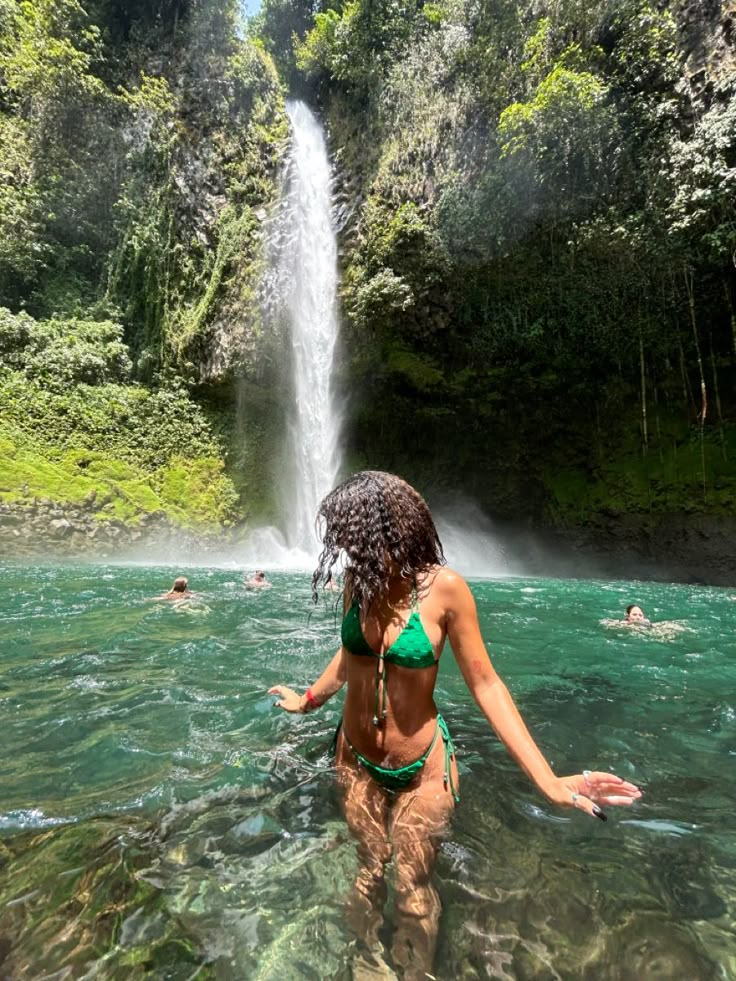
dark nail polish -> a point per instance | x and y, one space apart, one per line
599 813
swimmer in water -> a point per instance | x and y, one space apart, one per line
180 590
661 630
635 617
258 581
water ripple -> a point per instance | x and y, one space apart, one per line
158 815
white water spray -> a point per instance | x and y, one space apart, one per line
308 274
471 543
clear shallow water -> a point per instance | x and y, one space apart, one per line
158 817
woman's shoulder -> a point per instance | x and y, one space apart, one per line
446 583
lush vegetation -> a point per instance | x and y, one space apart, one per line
75 429
138 144
541 276
538 276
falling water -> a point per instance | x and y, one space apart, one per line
307 274
300 293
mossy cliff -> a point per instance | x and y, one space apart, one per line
138 161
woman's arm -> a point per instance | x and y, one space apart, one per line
330 681
495 702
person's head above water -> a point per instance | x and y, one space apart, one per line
180 585
259 574
383 528
635 614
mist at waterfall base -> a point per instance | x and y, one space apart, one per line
470 544
474 545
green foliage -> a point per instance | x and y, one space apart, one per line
372 301
235 234
666 483
57 166
356 44
137 149
25 475
279 26
136 451
186 223
418 371
135 424
47 53
400 265
151 100
537 51
434 13
700 178
60 353
320 50
22 249
402 240
71 432
190 492
547 214
565 137
199 489
104 184
341 46
645 58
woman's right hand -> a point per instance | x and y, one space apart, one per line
289 700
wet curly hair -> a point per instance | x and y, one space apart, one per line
367 517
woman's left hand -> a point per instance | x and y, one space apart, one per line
589 789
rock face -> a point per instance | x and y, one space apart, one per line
45 528
670 548
708 42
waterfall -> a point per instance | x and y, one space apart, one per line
300 299
309 271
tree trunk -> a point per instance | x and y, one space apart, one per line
644 429
657 425
703 390
598 433
717 395
687 391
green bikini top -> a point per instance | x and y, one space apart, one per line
411 649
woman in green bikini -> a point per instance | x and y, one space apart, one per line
394 754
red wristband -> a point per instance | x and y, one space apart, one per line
312 702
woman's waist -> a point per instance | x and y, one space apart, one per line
396 740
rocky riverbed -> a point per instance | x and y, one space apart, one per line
47 528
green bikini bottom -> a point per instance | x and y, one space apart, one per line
402 776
